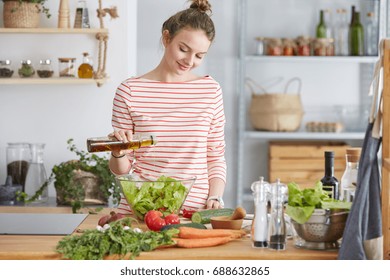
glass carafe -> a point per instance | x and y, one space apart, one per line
36 174
259 229
18 158
277 231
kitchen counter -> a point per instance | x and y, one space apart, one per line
42 247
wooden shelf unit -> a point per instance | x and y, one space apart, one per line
386 152
55 80
53 30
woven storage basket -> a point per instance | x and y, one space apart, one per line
21 15
275 111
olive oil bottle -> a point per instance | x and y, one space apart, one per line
105 144
329 182
85 70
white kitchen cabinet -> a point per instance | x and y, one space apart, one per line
15 80
326 81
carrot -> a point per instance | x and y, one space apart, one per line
201 242
194 233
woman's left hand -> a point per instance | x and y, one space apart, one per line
213 204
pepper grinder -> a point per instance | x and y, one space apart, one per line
259 230
277 224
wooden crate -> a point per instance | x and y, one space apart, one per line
303 162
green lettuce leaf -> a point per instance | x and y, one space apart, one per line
302 203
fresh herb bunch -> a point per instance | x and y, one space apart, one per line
42 8
97 165
116 240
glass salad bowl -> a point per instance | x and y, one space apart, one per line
165 194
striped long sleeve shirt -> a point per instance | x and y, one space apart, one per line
188 121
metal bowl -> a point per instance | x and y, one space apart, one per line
154 194
323 230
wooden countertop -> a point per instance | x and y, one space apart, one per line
39 247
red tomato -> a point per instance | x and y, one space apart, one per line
172 219
188 213
154 220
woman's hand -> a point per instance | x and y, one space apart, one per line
124 136
213 204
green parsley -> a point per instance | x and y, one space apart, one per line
95 244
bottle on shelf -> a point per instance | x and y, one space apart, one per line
82 17
353 10
321 28
340 32
371 35
328 23
348 182
330 184
356 37
85 70
104 144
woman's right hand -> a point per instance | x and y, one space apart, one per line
124 136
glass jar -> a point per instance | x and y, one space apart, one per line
36 178
289 47
260 46
303 46
5 69
67 67
26 69
45 70
323 47
274 46
18 157
349 179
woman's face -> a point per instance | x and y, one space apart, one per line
185 51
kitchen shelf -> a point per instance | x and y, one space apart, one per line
314 59
302 135
50 81
101 34
249 158
53 30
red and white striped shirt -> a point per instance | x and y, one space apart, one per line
188 121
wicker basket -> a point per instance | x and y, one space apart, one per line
275 111
21 15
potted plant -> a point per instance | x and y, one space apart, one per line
87 180
23 13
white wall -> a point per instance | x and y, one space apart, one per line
54 113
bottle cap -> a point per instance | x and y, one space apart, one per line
353 154
329 154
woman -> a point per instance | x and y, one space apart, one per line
183 110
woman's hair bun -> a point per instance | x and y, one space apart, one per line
201 5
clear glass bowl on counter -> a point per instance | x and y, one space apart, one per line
155 194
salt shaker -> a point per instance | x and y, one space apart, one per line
259 230
277 225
